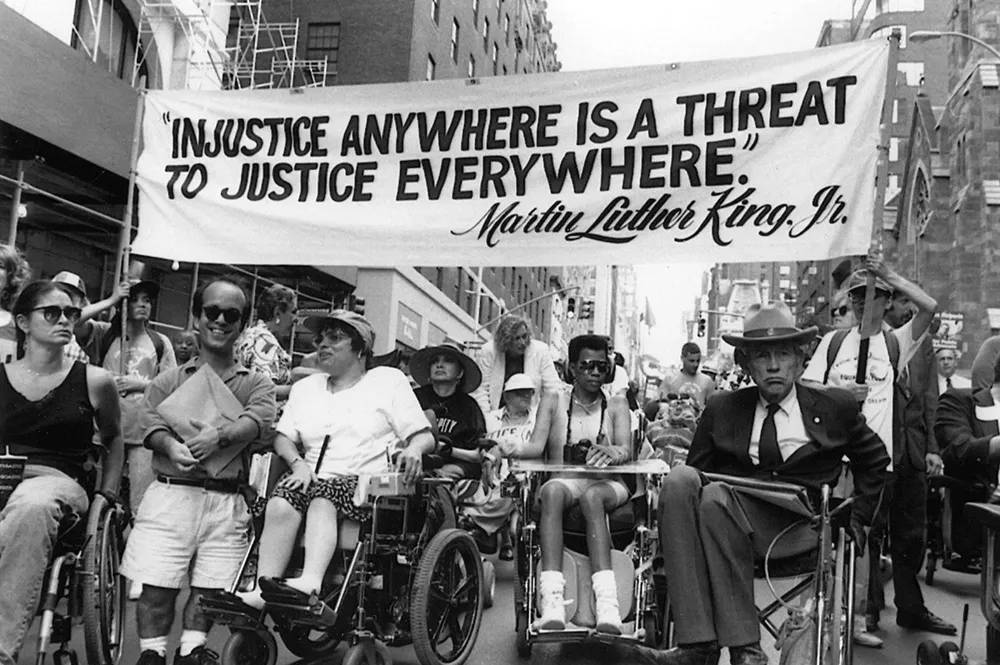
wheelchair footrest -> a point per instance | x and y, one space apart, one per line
295 606
228 609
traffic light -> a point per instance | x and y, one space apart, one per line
587 309
570 307
702 323
356 304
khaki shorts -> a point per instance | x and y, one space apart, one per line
180 530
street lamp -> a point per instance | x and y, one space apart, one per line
927 35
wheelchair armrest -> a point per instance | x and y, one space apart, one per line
986 514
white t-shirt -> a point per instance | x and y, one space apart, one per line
365 421
877 408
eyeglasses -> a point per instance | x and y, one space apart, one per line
601 366
332 337
841 311
229 315
676 396
53 312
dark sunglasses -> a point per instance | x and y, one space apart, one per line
841 311
602 366
230 315
53 312
675 396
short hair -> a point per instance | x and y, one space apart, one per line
357 342
28 299
506 328
276 299
199 296
689 348
18 274
592 342
951 351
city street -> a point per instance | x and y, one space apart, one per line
495 645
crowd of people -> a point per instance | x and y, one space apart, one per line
793 406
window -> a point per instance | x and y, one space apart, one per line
884 6
472 67
913 71
431 68
504 68
322 43
893 149
784 270
506 28
435 10
895 110
499 9
891 187
886 31
454 40
486 33
475 10
114 40
495 56
439 278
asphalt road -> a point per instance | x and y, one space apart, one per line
495 645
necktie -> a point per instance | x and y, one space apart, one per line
767 450
947 382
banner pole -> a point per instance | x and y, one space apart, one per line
867 322
125 233
15 204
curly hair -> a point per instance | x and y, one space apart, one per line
18 274
276 299
507 330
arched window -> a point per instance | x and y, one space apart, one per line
106 33
920 204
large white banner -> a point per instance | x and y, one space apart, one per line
758 159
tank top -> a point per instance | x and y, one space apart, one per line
56 430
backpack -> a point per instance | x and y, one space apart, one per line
891 344
107 340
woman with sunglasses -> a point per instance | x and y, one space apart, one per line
581 426
49 406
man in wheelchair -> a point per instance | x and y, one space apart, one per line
711 531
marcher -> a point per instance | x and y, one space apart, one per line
49 406
984 362
710 532
348 420
14 273
192 527
446 376
260 347
581 427
947 363
185 346
883 398
513 351
841 314
688 380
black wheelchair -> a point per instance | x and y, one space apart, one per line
952 539
82 581
407 576
634 547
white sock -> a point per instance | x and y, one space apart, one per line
191 640
604 579
553 578
157 644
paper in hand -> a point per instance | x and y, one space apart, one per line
205 398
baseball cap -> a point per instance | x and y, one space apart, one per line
358 323
72 280
519 381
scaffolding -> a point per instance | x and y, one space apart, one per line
222 45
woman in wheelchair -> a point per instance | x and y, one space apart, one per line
967 431
48 409
581 426
346 419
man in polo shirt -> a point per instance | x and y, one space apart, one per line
192 527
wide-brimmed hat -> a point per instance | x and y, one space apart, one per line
519 381
358 323
73 281
772 322
859 280
420 366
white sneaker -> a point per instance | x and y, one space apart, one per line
551 602
609 618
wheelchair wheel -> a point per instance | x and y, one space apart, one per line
653 626
102 588
370 653
307 642
489 583
928 654
446 604
521 622
249 647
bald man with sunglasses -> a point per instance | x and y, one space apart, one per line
192 525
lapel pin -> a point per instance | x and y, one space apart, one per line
816 419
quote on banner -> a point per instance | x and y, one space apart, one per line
757 159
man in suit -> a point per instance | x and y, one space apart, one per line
710 532
947 363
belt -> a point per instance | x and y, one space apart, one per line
211 484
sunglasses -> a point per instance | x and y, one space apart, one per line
230 315
675 396
52 313
841 311
601 366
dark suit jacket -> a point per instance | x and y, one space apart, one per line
834 424
964 439
919 404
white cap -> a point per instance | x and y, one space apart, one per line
519 382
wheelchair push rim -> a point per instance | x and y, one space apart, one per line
446 604
249 647
103 588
